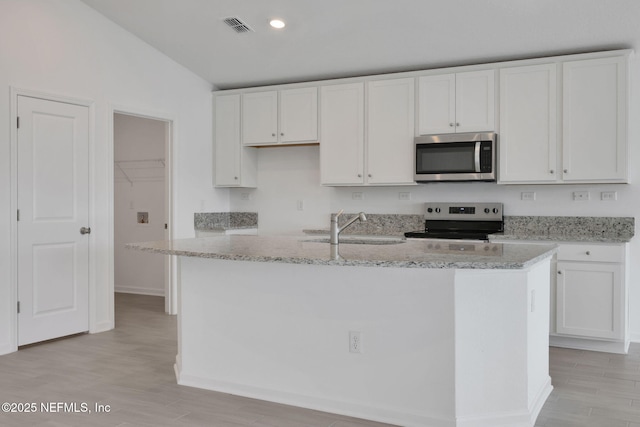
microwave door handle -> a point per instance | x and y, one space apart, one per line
477 156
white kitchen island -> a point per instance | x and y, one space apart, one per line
451 334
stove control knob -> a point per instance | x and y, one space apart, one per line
429 210
496 210
437 210
487 210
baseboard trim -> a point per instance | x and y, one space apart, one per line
101 327
619 347
139 291
7 348
351 409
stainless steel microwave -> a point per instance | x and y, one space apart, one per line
456 157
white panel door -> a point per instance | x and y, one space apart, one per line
528 124
260 118
342 134
53 194
227 141
437 104
299 115
590 300
594 114
390 125
475 101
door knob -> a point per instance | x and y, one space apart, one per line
85 230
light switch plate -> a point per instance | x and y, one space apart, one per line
580 195
528 195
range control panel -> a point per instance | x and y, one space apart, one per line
463 211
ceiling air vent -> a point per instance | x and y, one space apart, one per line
237 25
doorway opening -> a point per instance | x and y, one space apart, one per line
142 204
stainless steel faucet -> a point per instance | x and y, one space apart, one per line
335 230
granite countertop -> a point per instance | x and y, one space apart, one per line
567 229
412 253
577 238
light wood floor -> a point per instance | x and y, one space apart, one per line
131 369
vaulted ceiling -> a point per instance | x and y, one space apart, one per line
340 38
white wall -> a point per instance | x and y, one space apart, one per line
286 175
65 48
136 139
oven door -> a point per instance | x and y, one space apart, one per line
455 158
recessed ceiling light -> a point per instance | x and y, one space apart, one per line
277 23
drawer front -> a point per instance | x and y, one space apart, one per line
591 252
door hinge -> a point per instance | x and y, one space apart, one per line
18 216
18 307
18 122
166 227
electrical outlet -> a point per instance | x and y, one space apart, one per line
533 300
528 195
404 195
245 196
358 195
355 342
300 205
580 195
609 196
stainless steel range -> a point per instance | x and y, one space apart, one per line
460 221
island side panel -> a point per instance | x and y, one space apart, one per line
280 332
502 345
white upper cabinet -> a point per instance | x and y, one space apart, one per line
461 102
342 134
390 131
260 118
437 104
235 165
528 124
280 117
594 132
583 141
299 115
385 156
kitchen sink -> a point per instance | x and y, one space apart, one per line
361 241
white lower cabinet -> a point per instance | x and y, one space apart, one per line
589 296
590 300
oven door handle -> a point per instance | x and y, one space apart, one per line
477 156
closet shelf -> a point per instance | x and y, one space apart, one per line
140 169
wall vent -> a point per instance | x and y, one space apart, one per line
237 25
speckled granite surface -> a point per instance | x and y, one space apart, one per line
566 228
224 220
378 225
418 253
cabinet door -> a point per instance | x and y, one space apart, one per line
342 134
594 110
227 140
437 104
475 101
260 118
590 300
528 125
234 165
390 118
299 115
